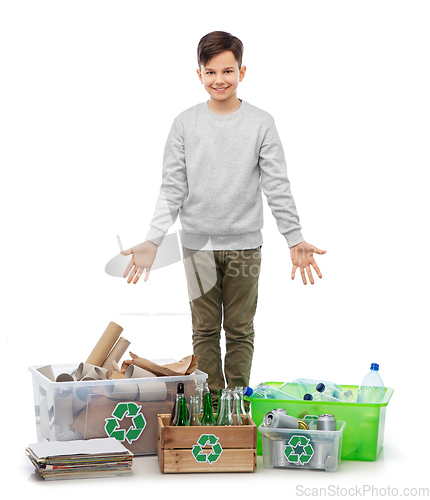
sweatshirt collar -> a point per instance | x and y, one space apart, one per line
224 118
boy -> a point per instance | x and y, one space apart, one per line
219 156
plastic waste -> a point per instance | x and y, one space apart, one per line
264 391
318 396
372 389
332 391
350 395
301 386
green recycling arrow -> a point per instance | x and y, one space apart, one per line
213 456
113 427
306 453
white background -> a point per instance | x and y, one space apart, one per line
89 90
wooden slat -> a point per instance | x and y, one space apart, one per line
242 460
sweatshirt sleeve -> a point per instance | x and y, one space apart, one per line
174 186
276 186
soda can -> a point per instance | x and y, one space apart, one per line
326 422
279 420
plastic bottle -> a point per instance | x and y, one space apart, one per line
332 391
301 386
317 396
350 395
372 389
264 391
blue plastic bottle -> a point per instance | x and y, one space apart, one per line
372 389
266 392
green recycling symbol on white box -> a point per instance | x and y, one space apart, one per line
214 454
299 450
113 425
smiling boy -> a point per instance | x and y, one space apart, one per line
220 156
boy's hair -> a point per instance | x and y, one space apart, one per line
216 42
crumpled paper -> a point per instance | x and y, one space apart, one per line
186 366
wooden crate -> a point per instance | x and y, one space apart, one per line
206 448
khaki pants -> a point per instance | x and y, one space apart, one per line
223 289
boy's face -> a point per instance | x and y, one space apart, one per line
221 72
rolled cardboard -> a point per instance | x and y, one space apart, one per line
80 398
137 372
105 344
117 352
63 408
64 377
83 369
96 373
151 391
118 390
47 372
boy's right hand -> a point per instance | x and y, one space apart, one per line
142 257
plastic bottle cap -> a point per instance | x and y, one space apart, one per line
320 387
308 397
248 391
374 366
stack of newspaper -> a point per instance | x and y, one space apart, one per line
80 459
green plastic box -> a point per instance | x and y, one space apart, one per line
364 433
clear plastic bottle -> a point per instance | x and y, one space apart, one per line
332 391
372 389
266 392
298 387
318 396
350 395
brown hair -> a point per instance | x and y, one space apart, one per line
216 42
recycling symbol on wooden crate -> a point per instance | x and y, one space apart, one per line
215 453
113 425
299 450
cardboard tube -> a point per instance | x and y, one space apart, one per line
117 352
119 390
83 369
63 408
64 377
47 372
105 344
95 373
152 391
137 372
80 398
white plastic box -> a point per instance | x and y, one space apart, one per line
302 449
126 409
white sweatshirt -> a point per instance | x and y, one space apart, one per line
214 169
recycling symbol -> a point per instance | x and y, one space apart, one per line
204 440
299 450
113 426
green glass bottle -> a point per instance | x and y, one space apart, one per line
182 412
208 411
219 404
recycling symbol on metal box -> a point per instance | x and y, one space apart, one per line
299 450
113 426
211 457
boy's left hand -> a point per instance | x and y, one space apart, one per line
302 257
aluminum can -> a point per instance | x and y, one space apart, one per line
279 420
326 422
